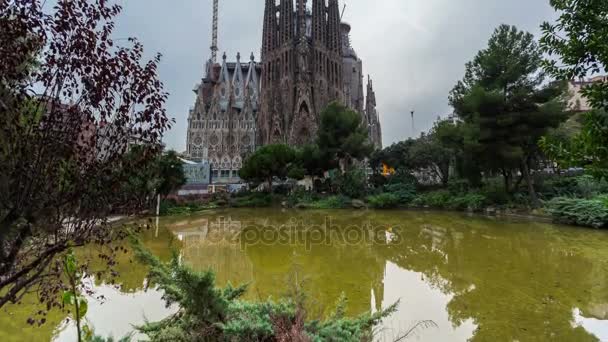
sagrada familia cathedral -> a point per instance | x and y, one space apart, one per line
307 62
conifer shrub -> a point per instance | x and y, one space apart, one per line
208 313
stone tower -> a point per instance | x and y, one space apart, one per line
372 118
301 69
221 125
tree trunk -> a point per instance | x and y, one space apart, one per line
529 181
507 178
270 185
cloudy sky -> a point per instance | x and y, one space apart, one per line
415 50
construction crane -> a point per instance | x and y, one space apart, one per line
214 47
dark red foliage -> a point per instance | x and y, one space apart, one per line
72 102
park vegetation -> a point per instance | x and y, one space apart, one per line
509 146
80 141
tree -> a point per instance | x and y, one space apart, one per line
170 173
586 149
579 40
311 160
501 95
430 154
71 101
341 137
269 162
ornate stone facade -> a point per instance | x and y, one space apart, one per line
307 62
221 126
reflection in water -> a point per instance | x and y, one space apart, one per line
419 299
109 318
593 325
476 278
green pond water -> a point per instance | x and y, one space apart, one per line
476 278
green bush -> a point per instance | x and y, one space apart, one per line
584 186
458 186
332 202
494 191
434 199
470 201
384 201
582 212
301 196
254 200
352 184
405 192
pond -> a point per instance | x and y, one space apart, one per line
475 278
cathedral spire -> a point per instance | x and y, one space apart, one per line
334 35
301 18
319 23
270 27
286 21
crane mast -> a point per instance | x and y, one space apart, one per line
214 47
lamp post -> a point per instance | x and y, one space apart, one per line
413 125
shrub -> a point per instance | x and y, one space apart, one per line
435 199
254 200
352 183
584 186
494 192
301 196
470 201
208 313
332 202
458 186
405 192
583 212
384 201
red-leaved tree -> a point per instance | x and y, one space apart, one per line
72 101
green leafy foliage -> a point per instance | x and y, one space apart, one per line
579 40
583 212
405 192
470 201
171 173
434 199
443 199
341 136
208 313
505 105
352 183
253 200
384 201
72 297
331 202
584 186
268 162
586 149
